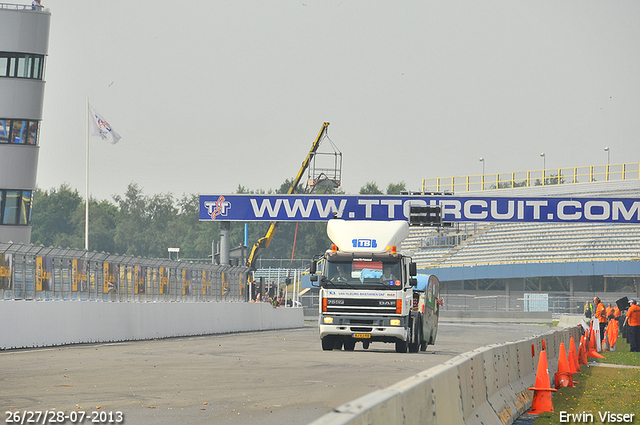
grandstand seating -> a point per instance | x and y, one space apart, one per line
532 242
511 243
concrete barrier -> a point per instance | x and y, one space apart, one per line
485 386
51 323
570 320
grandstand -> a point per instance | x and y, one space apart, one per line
579 259
529 242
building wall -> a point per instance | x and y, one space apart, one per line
24 43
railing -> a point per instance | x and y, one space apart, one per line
12 6
546 177
446 264
282 263
29 272
555 302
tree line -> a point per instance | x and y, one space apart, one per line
146 225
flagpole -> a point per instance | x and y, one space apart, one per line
86 197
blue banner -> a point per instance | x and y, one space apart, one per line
389 207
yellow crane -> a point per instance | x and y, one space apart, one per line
264 241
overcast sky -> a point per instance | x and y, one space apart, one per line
210 95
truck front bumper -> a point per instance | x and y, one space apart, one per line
380 330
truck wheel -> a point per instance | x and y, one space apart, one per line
416 333
423 345
401 346
349 345
327 343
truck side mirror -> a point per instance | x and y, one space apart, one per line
312 268
413 269
322 280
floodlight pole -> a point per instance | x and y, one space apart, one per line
86 191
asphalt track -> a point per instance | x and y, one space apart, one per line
271 377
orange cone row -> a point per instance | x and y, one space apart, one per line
567 366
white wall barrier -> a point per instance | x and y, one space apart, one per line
51 323
485 386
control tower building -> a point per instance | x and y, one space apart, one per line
24 43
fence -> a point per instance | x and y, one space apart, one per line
554 302
548 176
282 263
12 6
29 272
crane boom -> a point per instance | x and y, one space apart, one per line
264 241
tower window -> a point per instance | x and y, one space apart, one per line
15 207
21 65
19 131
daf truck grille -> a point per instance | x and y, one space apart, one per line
361 306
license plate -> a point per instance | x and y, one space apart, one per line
362 335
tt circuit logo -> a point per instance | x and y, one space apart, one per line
217 208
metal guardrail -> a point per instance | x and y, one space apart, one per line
534 178
443 265
282 263
554 302
29 272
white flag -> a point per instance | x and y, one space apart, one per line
100 127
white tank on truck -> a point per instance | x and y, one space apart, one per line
370 292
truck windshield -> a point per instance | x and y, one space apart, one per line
364 273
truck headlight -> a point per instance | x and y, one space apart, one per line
327 319
394 322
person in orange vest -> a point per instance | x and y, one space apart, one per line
633 319
609 312
601 315
617 314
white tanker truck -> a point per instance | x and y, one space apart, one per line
370 292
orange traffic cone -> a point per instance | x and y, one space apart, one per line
574 365
542 389
563 377
613 334
582 351
592 351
